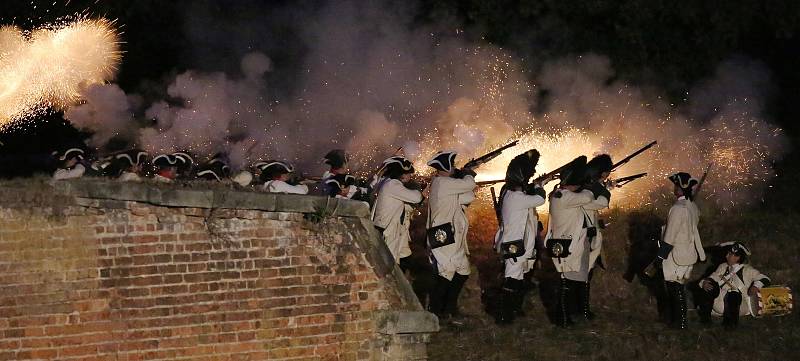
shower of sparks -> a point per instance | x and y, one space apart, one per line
49 66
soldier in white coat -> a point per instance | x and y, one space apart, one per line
447 227
516 237
726 291
130 162
681 239
391 213
598 169
70 166
167 168
277 175
567 239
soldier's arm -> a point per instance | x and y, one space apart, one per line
403 194
574 200
597 204
451 186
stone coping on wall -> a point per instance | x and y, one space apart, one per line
210 196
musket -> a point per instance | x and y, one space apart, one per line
628 158
619 182
477 162
551 175
702 180
496 207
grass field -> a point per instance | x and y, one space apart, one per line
625 327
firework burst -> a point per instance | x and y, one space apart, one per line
50 66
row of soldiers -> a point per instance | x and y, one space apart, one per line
272 176
572 243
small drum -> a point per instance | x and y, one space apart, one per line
772 301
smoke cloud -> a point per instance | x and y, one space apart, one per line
366 77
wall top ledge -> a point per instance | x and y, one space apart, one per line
208 195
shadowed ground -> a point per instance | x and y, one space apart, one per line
625 328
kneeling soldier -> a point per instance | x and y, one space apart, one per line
723 290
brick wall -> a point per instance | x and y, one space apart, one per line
104 277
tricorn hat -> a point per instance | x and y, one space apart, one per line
335 184
69 154
165 160
522 167
336 158
443 161
395 167
216 169
598 165
131 157
683 180
275 168
737 248
185 160
575 173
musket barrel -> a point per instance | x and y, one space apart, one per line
634 154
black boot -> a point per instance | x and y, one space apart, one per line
658 289
730 316
562 309
705 302
506 313
678 300
453 291
438 297
585 300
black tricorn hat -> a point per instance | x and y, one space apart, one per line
575 173
274 168
131 157
185 160
336 183
165 160
396 166
69 154
522 167
683 180
215 169
598 165
443 161
336 158
737 248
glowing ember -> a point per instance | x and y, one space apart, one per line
48 67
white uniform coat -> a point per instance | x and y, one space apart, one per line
593 211
519 222
389 209
750 277
681 232
567 218
448 200
279 186
64 173
129 177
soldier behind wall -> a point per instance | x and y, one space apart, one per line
69 164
